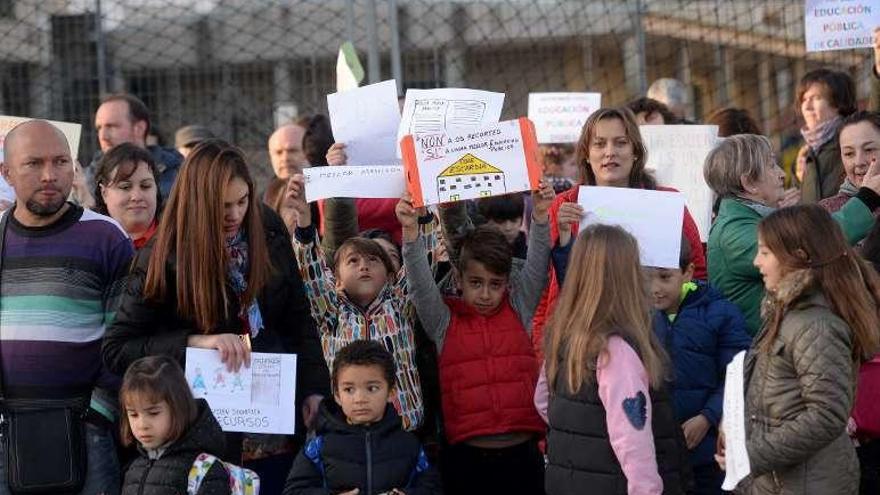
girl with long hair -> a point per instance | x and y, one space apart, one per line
612 427
820 322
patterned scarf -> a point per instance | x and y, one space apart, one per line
249 314
821 134
848 188
759 208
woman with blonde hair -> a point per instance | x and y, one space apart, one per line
219 274
820 322
612 427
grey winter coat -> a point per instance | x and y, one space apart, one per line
799 396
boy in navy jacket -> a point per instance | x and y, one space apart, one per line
701 331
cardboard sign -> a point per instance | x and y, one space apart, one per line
435 114
495 160
71 131
560 117
259 399
840 24
654 218
354 182
677 153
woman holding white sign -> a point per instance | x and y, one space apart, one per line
822 319
610 153
220 274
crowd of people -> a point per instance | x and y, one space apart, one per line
487 346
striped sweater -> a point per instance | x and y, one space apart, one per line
58 289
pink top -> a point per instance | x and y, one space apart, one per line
624 392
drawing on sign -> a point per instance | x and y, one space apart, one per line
433 118
266 382
472 175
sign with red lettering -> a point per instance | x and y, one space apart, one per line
840 24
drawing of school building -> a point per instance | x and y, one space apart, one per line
469 178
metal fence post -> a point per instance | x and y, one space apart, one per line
100 49
396 70
373 72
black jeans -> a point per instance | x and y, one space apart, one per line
518 469
869 463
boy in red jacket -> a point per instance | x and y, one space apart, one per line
488 369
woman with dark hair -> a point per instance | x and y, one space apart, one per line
732 121
824 98
126 189
820 322
859 140
220 274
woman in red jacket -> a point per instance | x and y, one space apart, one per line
610 153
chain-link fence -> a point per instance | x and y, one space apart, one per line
241 66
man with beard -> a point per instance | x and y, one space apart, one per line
61 274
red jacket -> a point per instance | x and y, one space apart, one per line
488 374
866 412
374 214
542 313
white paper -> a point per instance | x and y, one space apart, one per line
736 457
366 119
677 153
560 117
840 24
70 130
354 182
259 399
654 218
434 114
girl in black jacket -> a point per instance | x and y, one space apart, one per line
219 274
170 428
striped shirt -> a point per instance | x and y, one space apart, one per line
59 286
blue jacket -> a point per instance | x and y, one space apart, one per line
702 339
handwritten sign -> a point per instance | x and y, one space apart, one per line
494 160
431 115
354 182
840 24
676 153
366 119
259 399
736 457
71 131
560 117
654 218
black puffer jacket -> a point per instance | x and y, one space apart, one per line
146 328
579 451
167 475
375 458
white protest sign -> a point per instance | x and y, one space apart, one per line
497 159
259 399
840 24
676 153
354 182
560 117
433 114
736 457
71 131
366 119
654 218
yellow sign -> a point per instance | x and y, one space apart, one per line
467 165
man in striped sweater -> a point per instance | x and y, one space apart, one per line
62 270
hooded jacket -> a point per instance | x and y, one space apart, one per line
167 474
799 396
374 458
702 339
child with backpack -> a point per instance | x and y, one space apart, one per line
701 331
177 436
360 447
488 368
362 297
